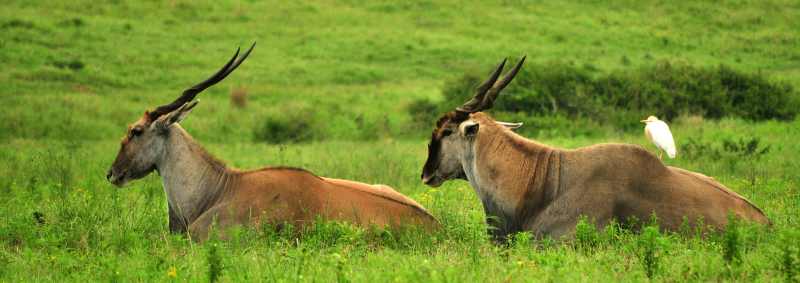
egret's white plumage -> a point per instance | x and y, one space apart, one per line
658 132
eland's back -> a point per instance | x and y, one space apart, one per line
284 195
637 184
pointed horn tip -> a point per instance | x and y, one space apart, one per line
191 104
247 53
501 65
521 60
252 46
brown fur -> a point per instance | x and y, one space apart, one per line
227 197
202 191
279 196
542 189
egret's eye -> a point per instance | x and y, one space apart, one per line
446 132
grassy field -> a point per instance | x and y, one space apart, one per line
76 73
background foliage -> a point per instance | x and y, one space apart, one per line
543 94
350 89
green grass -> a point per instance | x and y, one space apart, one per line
76 73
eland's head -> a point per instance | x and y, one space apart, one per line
455 131
145 140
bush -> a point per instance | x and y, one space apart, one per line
731 247
671 89
553 88
587 238
650 250
423 112
293 124
214 262
555 125
622 98
788 259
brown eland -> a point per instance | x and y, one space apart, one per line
525 185
202 191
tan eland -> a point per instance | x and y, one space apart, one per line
201 190
528 186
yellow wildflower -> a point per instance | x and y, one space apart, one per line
172 272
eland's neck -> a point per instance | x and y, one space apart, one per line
193 180
509 173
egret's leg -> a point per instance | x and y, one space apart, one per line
660 154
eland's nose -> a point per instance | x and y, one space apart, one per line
426 179
108 175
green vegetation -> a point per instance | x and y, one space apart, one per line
329 88
619 98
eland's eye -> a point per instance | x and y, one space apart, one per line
446 132
135 132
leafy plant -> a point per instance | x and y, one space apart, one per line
746 148
214 262
731 246
587 237
521 241
650 249
788 261
746 151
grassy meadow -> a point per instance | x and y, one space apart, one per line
76 73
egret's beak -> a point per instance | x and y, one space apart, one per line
643 121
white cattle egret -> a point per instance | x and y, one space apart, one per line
658 132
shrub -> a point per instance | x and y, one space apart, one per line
586 235
745 148
293 124
521 241
423 113
695 149
649 250
744 151
555 125
459 90
731 248
788 259
214 262
550 89
670 89
621 98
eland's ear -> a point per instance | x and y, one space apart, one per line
511 126
469 128
176 116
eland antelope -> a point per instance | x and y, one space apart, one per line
525 185
201 190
